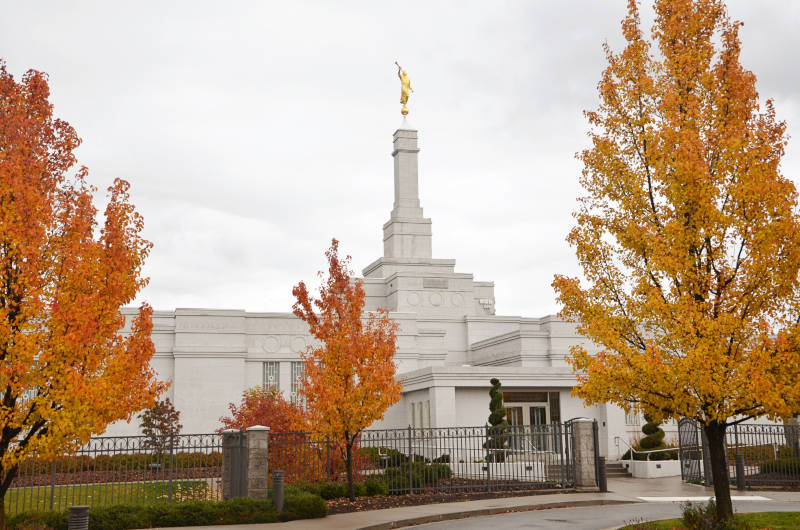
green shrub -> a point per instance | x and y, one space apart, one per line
330 490
700 517
790 465
121 462
498 432
303 506
54 520
650 428
247 511
384 457
198 513
337 490
653 440
667 455
119 517
416 475
376 486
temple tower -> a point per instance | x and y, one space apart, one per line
407 234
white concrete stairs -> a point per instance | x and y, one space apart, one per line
616 470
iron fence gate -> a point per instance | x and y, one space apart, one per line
436 459
757 454
690 451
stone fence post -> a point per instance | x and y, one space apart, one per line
257 467
585 465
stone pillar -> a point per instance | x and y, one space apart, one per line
407 234
257 468
230 480
585 466
443 406
406 174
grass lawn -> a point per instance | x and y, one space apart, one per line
38 498
764 520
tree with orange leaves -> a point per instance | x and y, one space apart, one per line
67 372
688 236
264 406
349 376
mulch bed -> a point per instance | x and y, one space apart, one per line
380 502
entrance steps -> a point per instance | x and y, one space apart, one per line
556 472
616 470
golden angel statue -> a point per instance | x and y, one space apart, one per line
405 88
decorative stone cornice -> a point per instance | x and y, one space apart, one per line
478 376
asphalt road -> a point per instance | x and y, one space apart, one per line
597 517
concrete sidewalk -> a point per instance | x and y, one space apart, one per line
625 490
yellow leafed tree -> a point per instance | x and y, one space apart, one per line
688 235
66 372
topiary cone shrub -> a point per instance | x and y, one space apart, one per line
498 430
654 440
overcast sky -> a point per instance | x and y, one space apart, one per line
253 132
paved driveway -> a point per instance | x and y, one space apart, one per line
597 517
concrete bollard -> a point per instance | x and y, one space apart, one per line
602 479
740 472
277 490
78 518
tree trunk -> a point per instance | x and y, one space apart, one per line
350 485
8 476
715 432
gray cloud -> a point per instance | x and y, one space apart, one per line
253 132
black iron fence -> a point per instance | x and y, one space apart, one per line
436 459
757 454
121 470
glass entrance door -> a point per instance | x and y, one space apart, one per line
538 423
516 420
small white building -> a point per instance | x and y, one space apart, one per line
450 343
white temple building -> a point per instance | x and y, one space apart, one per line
450 343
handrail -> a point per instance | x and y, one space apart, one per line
633 451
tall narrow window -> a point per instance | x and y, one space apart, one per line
632 417
271 375
298 368
555 407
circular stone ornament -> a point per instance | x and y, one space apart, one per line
298 344
413 299
271 344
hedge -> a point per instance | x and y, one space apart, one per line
790 465
199 513
303 506
416 475
120 462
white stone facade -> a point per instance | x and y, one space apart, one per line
450 344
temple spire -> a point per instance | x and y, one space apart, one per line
407 234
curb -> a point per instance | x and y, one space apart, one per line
425 519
